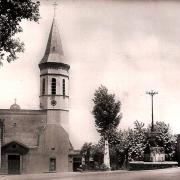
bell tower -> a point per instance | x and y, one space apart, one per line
54 80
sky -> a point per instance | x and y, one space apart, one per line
128 46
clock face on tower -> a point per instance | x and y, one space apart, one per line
53 102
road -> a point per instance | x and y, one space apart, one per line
163 174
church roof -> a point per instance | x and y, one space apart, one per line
54 51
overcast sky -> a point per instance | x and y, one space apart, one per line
128 46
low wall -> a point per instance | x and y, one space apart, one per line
140 165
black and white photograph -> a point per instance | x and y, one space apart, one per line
89 89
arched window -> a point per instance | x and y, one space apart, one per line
43 87
53 86
64 88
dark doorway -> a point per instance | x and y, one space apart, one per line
13 164
52 164
77 164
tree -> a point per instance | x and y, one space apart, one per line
106 112
93 155
97 155
12 12
86 152
166 139
107 117
135 140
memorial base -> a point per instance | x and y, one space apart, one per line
155 154
141 165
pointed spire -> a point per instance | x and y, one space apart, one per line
54 51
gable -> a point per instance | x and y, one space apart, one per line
15 147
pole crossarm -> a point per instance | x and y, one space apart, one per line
152 93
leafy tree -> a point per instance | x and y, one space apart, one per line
128 145
97 153
134 140
12 12
106 112
86 152
107 118
166 139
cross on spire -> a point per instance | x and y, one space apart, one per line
15 101
55 7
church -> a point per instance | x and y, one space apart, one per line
37 141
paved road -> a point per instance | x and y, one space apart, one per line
164 174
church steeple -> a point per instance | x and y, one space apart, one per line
54 80
54 51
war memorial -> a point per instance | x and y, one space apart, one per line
154 155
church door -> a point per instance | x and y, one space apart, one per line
13 164
52 165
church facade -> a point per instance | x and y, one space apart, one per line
35 141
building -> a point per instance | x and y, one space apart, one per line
35 141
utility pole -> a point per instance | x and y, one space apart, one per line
152 93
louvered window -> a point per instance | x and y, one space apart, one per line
43 87
53 86
64 87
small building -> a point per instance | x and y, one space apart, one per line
75 155
36 141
